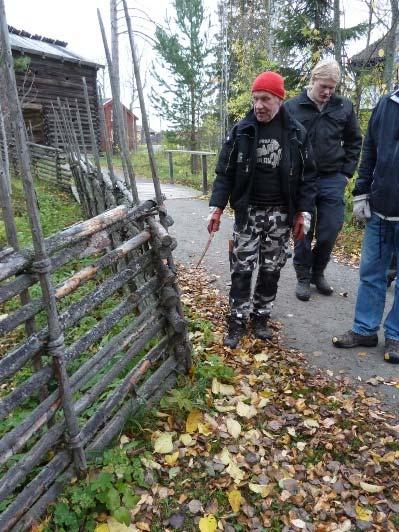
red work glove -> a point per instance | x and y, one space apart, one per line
214 219
301 225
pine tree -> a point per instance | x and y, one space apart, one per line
184 70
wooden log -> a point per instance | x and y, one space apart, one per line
14 360
178 323
41 377
160 232
18 473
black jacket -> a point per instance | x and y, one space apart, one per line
379 167
334 132
236 166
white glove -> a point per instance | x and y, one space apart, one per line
361 208
307 218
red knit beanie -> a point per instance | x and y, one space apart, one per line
270 82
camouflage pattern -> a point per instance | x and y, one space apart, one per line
264 239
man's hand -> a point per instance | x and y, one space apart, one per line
214 219
361 208
301 225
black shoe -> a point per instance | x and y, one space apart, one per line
235 333
302 290
259 327
321 284
352 339
391 352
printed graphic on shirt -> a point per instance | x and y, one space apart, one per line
268 152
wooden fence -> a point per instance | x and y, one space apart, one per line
50 164
204 165
91 321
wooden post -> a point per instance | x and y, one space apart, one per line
204 174
104 134
6 161
42 262
170 161
94 146
127 163
150 149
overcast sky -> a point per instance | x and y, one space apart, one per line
75 21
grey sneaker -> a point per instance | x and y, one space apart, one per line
391 352
352 339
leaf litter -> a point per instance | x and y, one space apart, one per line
268 444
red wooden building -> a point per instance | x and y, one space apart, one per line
130 122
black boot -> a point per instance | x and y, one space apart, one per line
321 283
235 333
302 290
259 327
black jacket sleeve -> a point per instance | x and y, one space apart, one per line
225 172
352 144
369 158
306 194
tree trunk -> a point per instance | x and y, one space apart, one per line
390 46
337 33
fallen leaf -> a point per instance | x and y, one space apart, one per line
233 427
193 418
171 459
235 472
371 488
245 410
204 429
263 489
218 388
311 423
186 440
163 444
208 523
298 523
102 528
363 514
235 500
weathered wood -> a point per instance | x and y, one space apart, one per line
104 134
150 149
130 176
56 340
204 170
160 232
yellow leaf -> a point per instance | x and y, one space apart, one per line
381 52
102 528
171 459
235 500
311 423
264 490
266 393
205 429
363 514
245 410
233 427
235 472
371 488
186 440
163 444
301 445
208 523
390 457
218 388
115 526
124 440
225 456
194 417
261 357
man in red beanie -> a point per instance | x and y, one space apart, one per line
266 171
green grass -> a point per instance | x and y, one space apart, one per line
181 165
57 210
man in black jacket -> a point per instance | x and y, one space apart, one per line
335 136
376 201
266 170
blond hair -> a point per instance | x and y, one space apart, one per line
326 69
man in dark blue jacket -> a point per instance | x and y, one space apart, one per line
376 201
266 170
335 136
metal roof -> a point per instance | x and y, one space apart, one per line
36 45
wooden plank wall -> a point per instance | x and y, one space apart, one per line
48 79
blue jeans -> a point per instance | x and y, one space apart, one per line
327 222
380 244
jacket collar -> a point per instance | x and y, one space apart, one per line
304 99
395 96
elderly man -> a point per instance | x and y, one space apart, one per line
266 170
376 201
335 136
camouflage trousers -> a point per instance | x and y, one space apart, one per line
264 242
